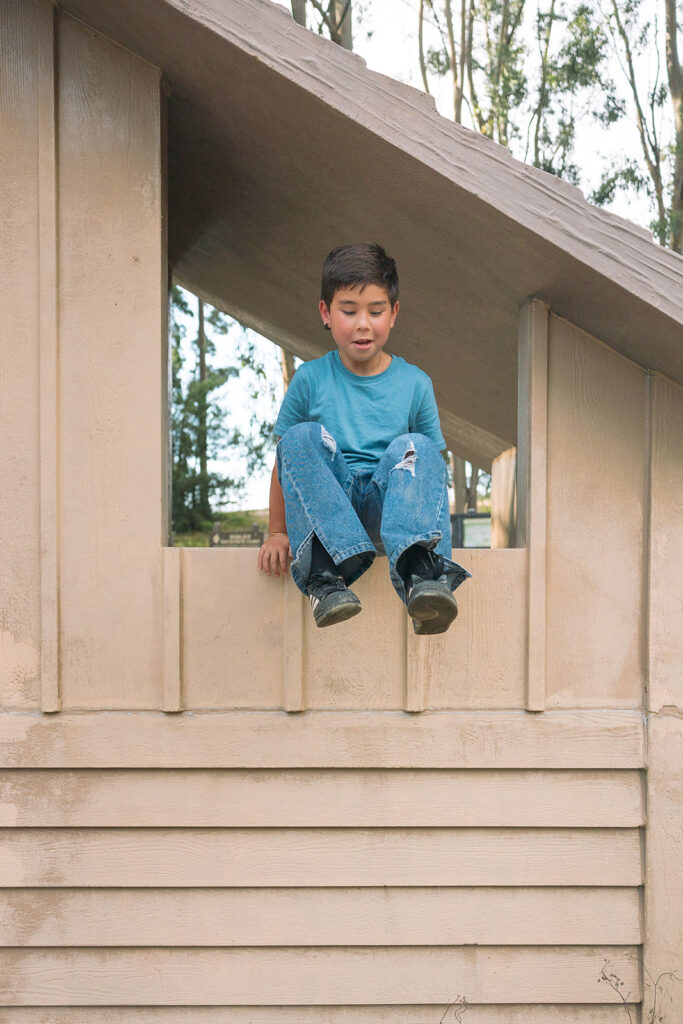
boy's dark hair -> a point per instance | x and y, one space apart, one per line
348 266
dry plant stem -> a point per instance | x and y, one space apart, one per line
459 1007
616 984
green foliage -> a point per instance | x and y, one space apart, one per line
534 99
201 431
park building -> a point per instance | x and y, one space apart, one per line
212 813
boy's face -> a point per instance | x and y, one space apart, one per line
360 321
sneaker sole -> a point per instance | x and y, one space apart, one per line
336 608
432 609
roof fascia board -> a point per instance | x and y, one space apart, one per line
401 115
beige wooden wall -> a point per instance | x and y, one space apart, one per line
352 862
108 617
84 412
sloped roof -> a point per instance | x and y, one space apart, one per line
283 145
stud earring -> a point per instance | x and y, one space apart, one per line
327 327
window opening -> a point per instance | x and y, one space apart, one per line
227 385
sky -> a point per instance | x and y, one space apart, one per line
387 40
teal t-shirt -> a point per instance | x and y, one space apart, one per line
363 414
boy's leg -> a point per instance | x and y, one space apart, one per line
316 483
416 533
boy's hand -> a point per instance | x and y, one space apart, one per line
274 553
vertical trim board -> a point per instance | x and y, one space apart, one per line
292 647
532 485
665 554
49 372
172 617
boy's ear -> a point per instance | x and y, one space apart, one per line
324 312
394 314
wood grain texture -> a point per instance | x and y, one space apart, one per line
295 606
313 797
492 974
665 582
326 857
233 636
49 372
24 30
664 864
480 660
472 739
172 562
110 349
320 917
232 628
504 500
532 486
596 487
359 663
431 1014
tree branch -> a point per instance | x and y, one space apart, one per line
452 57
478 116
420 41
652 158
675 75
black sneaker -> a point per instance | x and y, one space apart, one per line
430 604
331 600
429 598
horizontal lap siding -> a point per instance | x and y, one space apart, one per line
508 1014
229 739
320 797
348 916
326 857
347 975
295 891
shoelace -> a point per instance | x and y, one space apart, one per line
320 586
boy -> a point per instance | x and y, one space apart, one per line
359 469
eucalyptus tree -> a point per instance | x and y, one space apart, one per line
203 430
644 38
328 17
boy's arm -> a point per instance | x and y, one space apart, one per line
273 555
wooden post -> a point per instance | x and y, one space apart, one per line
50 699
504 500
531 484
663 940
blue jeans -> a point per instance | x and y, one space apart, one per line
358 514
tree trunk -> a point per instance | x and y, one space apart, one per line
459 471
287 364
343 24
202 426
299 12
675 74
463 51
472 490
420 45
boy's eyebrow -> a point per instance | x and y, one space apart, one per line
352 302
